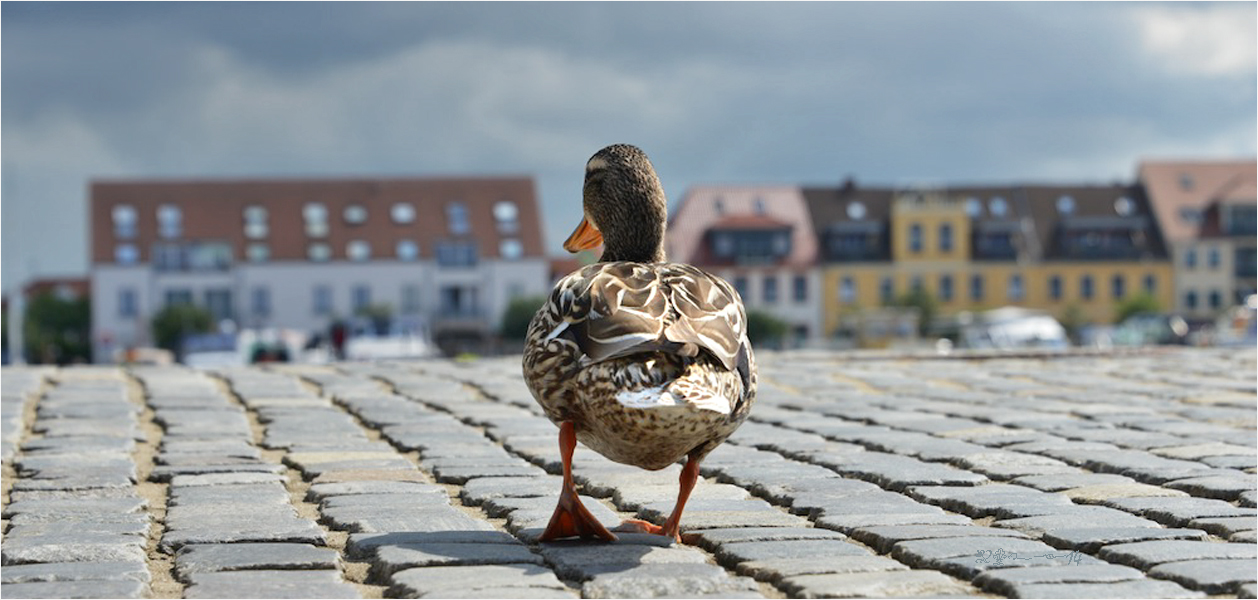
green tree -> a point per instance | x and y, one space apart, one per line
515 319
1073 320
926 308
1139 303
175 321
764 328
57 330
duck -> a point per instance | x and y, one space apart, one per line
642 360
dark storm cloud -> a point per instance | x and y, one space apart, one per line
811 92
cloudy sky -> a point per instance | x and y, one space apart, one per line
891 93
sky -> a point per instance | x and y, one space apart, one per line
784 93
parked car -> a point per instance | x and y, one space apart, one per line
1147 329
401 338
210 350
1012 328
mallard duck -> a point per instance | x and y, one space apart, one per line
642 360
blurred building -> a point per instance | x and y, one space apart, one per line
63 288
1207 212
1082 249
299 253
760 239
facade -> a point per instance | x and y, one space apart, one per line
1073 251
1207 213
759 238
297 254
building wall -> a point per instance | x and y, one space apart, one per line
802 315
867 280
1199 277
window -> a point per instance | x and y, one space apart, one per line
510 249
1066 204
316 218
410 299
255 222
178 296
258 252
1085 287
886 290
402 213
847 290
740 286
998 206
1118 287
1190 215
1213 258
168 257
407 250
358 250
915 283
355 214
758 206
945 288
1150 284
800 285
128 305
456 254
976 287
1190 258
1190 299
360 298
169 221
1055 290
218 301
719 205
319 252
456 218
856 211
770 286
507 216
915 237
945 237
124 221
126 254
322 295
261 302
1245 262
1216 299
1124 206
973 207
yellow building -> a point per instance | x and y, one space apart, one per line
1075 252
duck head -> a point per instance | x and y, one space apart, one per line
625 207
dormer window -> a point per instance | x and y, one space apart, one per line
255 222
316 218
507 216
1066 204
456 218
169 221
998 206
124 221
1124 206
355 214
856 210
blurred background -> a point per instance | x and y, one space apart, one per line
225 183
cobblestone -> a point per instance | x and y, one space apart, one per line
1127 475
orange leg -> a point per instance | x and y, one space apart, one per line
672 527
571 517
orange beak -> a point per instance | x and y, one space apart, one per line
585 237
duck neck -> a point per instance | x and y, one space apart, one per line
635 246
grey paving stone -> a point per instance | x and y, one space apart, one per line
890 584
76 507
1178 512
1062 482
1225 487
78 589
998 500
399 502
1009 581
579 561
454 581
208 558
896 472
206 528
1098 494
1070 519
364 545
720 514
1209 576
1138 588
75 571
475 491
934 553
848 522
165 473
379 519
774 570
669 581
272 493
1146 555
1090 539
1244 537
270 584
460 475
1248 590
319 491
732 553
81 547
710 539
231 478
390 559
635 497
1004 465
884 538
1225 526
1248 499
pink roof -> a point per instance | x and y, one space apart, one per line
740 205
1173 186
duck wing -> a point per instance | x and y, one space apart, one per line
609 310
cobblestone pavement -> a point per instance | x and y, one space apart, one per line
1091 476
